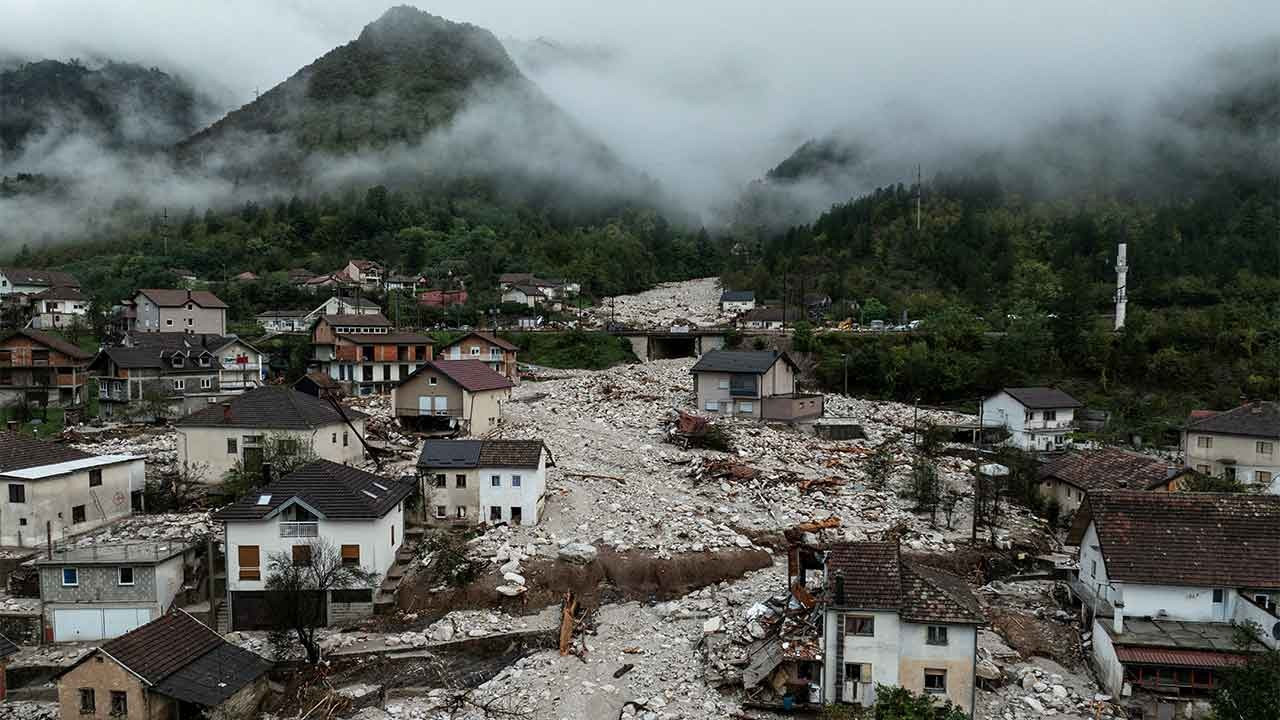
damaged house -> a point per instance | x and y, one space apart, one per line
468 482
1165 579
451 396
1067 478
891 621
758 384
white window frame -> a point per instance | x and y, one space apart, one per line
168 322
711 406
75 572
1264 447
746 407
206 383
442 512
515 481
433 380
475 351
120 576
462 512
1204 441
495 481
179 384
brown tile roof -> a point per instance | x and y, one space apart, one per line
178 298
1255 419
1109 469
483 453
1178 658
1042 397
338 492
61 292
877 578
511 453
271 407
491 339
320 379
387 338
18 452
1198 539
472 375
52 342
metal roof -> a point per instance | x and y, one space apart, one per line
754 362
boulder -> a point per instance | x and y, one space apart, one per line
512 590
713 625
442 632
578 552
988 670
513 578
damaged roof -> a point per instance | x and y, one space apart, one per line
1042 397
1255 419
273 407
1110 469
482 453
333 491
1196 539
755 362
876 577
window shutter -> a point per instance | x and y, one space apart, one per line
866 673
302 555
248 559
350 554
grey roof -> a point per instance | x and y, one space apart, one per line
31 276
180 341
1256 419
337 492
271 407
738 296
283 313
19 452
755 362
481 453
146 553
215 676
1042 397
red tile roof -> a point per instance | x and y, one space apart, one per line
177 298
1194 539
491 339
1109 469
877 578
1178 658
472 375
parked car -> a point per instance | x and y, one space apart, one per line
877 325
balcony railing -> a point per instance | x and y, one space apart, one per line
418 412
299 529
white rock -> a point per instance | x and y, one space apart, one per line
713 625
513 578
1034 704
511 590
578 552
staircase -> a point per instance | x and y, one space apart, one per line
224 619
384 598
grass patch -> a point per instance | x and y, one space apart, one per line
575 349
44 423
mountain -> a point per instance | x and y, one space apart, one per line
413 95
120 105
827 157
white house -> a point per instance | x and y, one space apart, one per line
1037 418
358 514
283 321
187 311
29 281
526 295
70 490
736 301
214 439
468 482
98 592
1241 443
770 318
343 306
59 307
1164 575
888 621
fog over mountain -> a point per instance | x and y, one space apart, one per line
706 97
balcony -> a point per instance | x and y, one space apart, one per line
419 412
1048 425
299 529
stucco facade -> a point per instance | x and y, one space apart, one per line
433 394
189 317
480 499
1030 429
218 449
71 497
716 393
1252 460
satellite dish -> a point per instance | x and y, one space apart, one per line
1275 631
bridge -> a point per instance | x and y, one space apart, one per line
676 342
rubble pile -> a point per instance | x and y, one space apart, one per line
690 301
1035 692
183 527
28 710
159 447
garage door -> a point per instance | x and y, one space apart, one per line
72 625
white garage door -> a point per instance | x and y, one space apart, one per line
71 625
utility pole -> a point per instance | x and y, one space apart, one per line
845 360
164 232
919 192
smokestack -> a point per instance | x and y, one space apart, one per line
226 412
839 589
1117 620
1122 296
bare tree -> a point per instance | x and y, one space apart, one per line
298 585
179 490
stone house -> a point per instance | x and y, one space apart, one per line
1036 418
218 437
489 349
469 482
891 621
1068 478
451 396
360 514
103 591
758 384
1165 579
1241 443
172 310
52 488
40 369
172 667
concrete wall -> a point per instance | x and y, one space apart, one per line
1248 462
404 399
528 497
1194 604
715 387
1068 496
100 583
956 657
103 675
450 496
880 650
53 499
483 410
1110 670
207 446
1093 566
152 318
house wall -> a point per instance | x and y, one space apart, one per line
1090 555
736 306
52 499
1192 604
1002 409
1068 496
377 553
1110 669
804 407
103 675
483 410
207 446
100 583
956 657
504 363
708 385
451 496
528 497
404 398
152 318
880 650
1248 462
518 297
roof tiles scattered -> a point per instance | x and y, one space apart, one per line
875 577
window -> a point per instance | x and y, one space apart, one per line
386 372
515 515
724 384
1093 568
70 577
77 514
204 361
351 555
440 480
1218 596
190 322
231 446
124 576
742 384
1050 414
475 351
515 481
937 635
17 493
1265 448
179 384
346 438
462 512
87 704
495 514
746 407
1029 415
1229 473
189 307
169 322
247 557
712 405
441 511
459 481
857 672
432 380
1262 476
302 556
1204 441
334 439
495 481
855 625
935 681
95 478
206 383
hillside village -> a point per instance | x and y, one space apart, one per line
415 527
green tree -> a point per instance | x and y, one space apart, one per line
1250 691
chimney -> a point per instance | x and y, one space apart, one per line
266 473
840 589
226 412
1117 620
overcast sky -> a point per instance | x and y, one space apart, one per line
707 94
